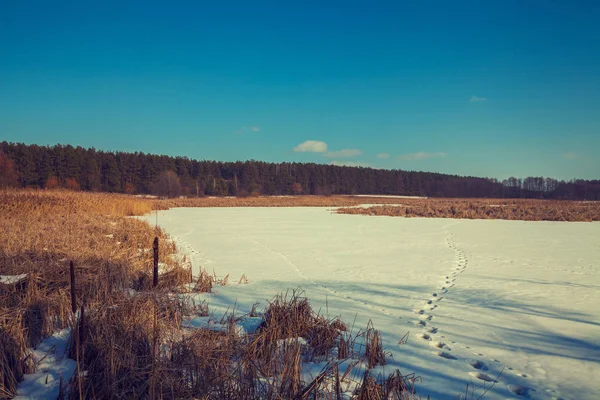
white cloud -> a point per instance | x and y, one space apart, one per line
475 99
311 146
571 155
383 156
255 129
345 153
420 156
350 164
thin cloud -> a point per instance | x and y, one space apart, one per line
571 155
383 156
475 99
311 146
245 129
345 153
350 164
420 156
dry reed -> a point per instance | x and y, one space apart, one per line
523 210
42 233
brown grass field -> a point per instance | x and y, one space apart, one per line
127 336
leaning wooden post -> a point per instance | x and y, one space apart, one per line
155 246
73 295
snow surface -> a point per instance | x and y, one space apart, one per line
52 363
508 301
12 279
389 196
376 205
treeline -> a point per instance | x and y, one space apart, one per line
78 168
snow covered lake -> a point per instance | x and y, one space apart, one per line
512 301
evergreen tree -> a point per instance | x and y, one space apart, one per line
52 166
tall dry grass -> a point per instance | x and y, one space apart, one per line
272 201
521 209
41 232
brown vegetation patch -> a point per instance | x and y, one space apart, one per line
523 210
274 201
41 233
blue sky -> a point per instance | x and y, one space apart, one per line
484 88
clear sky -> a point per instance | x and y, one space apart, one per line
486 88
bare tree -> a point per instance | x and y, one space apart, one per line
199 188
296 188
167 185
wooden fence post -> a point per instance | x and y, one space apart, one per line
155 246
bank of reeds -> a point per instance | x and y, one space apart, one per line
41 233
521 209
124 205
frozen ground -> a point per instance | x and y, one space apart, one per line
517 302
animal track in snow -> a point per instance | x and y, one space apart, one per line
482 376
439 345
460 265
477 367
445 355
519 390
477 364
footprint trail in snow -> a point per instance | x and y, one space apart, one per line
425 315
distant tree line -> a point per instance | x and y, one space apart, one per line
77 168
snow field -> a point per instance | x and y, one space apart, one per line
507 307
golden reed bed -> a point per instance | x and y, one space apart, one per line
514 209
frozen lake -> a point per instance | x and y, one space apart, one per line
515 301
